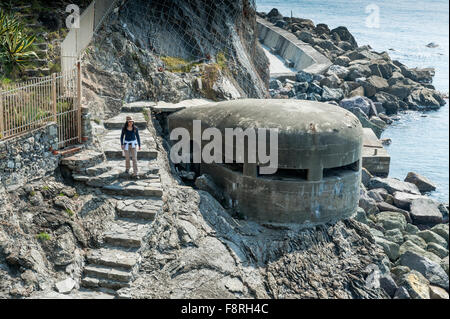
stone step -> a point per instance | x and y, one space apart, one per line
146 167
139 208
113 257
83 160
142 155
105 272
137 107
113 150
123 240
127 233
94 283
134 188
117 122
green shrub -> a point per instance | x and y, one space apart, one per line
43 236
15 44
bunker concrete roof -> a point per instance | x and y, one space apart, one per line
310 134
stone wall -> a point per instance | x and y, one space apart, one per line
28 157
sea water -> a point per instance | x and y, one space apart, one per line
420 141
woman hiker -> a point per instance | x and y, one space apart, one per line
129 145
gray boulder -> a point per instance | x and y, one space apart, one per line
359 102
425 211
432 237
65 286
441 230
403 200
393 185
338 70
303 76
424 98
416 285
385 207
391 220
408 245
330 94
391 249
432 271
388 284
438 250
390 102
402 293
422 183
438 293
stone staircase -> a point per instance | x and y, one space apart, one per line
40 63
114 265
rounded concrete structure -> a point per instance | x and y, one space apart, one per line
319 152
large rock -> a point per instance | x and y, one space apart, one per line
391 249
424 98
394 235
403 200
422 183
432 237
330 94
402 293
393 185
416 240
388 284
65 286
303 76
342 34
390 102
425 211
357 71
366 123
441 230
360 102
410 246
429 269
368 204
338 70
416 285
438 250
385 207
438 293
391 220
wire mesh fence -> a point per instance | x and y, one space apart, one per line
187 34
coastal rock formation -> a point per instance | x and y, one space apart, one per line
357 71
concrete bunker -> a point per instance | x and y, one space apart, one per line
319 159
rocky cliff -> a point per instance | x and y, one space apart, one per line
174 50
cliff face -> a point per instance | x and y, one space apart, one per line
175 50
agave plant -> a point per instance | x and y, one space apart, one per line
15 45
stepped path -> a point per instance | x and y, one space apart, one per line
114 265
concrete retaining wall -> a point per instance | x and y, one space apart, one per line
28 157
302 55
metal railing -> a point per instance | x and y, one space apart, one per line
54 98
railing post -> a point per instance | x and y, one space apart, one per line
55 119
79 100
2 124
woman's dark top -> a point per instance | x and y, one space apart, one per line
130 136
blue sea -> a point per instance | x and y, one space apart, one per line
420 141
